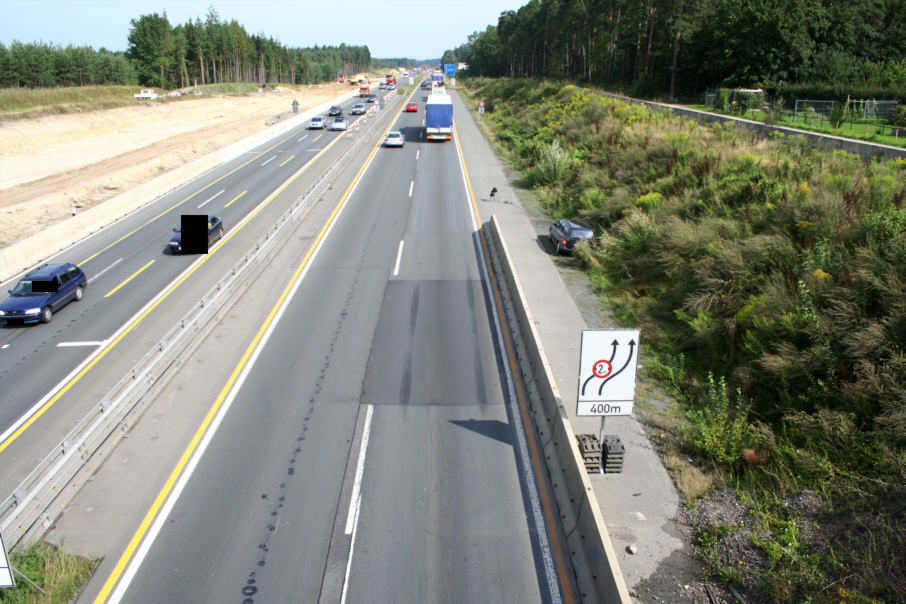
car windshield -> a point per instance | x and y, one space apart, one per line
24 288
393 135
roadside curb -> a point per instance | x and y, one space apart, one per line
597 570
24 254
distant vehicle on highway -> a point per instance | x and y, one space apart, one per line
339 123
335 110
411 107
317 122
566 234
215 232
394 138
358 109
382 85
145 94
42 292
372 98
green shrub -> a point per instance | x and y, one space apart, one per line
719 429
552 165
649 201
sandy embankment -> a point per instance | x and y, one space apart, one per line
50 164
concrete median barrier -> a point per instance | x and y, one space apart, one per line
597 571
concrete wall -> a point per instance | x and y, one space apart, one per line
597 570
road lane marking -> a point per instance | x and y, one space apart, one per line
68 344
355 503
417 151
25 421
209 199
353 514
131 559
399 256
316 138
98 276
299 140
411 184
559 583
230 202
131 277
287 161
269 161
4 347
179 203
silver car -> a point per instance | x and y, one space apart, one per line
394 138
339 123
317 122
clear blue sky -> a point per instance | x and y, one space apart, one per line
419 29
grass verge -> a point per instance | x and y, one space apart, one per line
769 279
59 573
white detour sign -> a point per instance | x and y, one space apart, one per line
607 368
6 571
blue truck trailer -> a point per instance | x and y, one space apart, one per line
439 117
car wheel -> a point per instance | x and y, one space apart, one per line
78 293
46 315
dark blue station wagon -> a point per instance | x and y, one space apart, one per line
42 292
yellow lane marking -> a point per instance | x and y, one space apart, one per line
179 203
229 203
133 276
317 137
53 400
161 498
549 514
287 161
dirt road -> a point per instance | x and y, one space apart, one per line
50 164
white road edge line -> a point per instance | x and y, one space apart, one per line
98 276
399 256
411 184
68 344
359 472
162 515
355 503
210 199
269 161
553 584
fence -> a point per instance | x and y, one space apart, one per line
861 109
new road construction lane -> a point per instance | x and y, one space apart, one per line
368 453
129 265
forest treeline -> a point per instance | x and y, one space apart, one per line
682 47
209 51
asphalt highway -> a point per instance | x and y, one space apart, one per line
369 449
51 375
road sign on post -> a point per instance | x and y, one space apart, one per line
607 369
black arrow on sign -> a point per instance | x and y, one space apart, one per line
613 354
625 365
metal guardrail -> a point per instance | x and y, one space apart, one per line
35 503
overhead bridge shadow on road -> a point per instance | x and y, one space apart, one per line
492 428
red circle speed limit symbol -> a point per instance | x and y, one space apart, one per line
602 369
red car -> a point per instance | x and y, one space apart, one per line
411 107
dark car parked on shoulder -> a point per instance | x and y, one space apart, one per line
565 234
42 292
